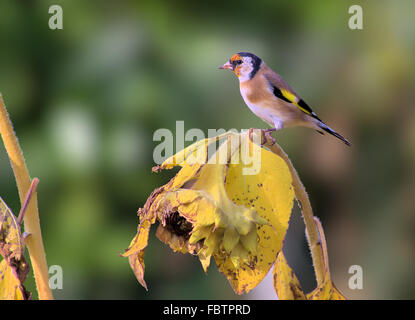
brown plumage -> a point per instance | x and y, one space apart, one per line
271 98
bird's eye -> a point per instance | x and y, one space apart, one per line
238 62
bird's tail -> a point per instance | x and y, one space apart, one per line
332 132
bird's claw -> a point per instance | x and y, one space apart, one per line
267 133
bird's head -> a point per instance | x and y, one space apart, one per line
244 64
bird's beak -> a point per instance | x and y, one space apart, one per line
227 65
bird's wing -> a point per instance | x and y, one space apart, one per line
283 91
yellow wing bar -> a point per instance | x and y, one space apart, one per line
292 98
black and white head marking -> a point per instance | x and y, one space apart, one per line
253 61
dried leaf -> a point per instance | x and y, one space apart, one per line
326 291
13 267
270 193
196 153
135 251
286 283
11 244
11 282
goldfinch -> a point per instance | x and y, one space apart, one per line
271 98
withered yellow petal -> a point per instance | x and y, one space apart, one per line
10 232
13 267
326 291
135 251
200 233
286 283
11 288
194 205
186 174
271 194
230 239
239 255
250 241
196 153
204 259
137 265
211 244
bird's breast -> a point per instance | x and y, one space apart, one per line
257 106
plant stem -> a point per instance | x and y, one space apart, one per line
323 246
307 212
32 189
31 219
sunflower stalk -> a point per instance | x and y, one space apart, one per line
301 195
31 218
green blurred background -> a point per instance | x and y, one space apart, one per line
86 100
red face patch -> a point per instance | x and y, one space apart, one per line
236 57
237 69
